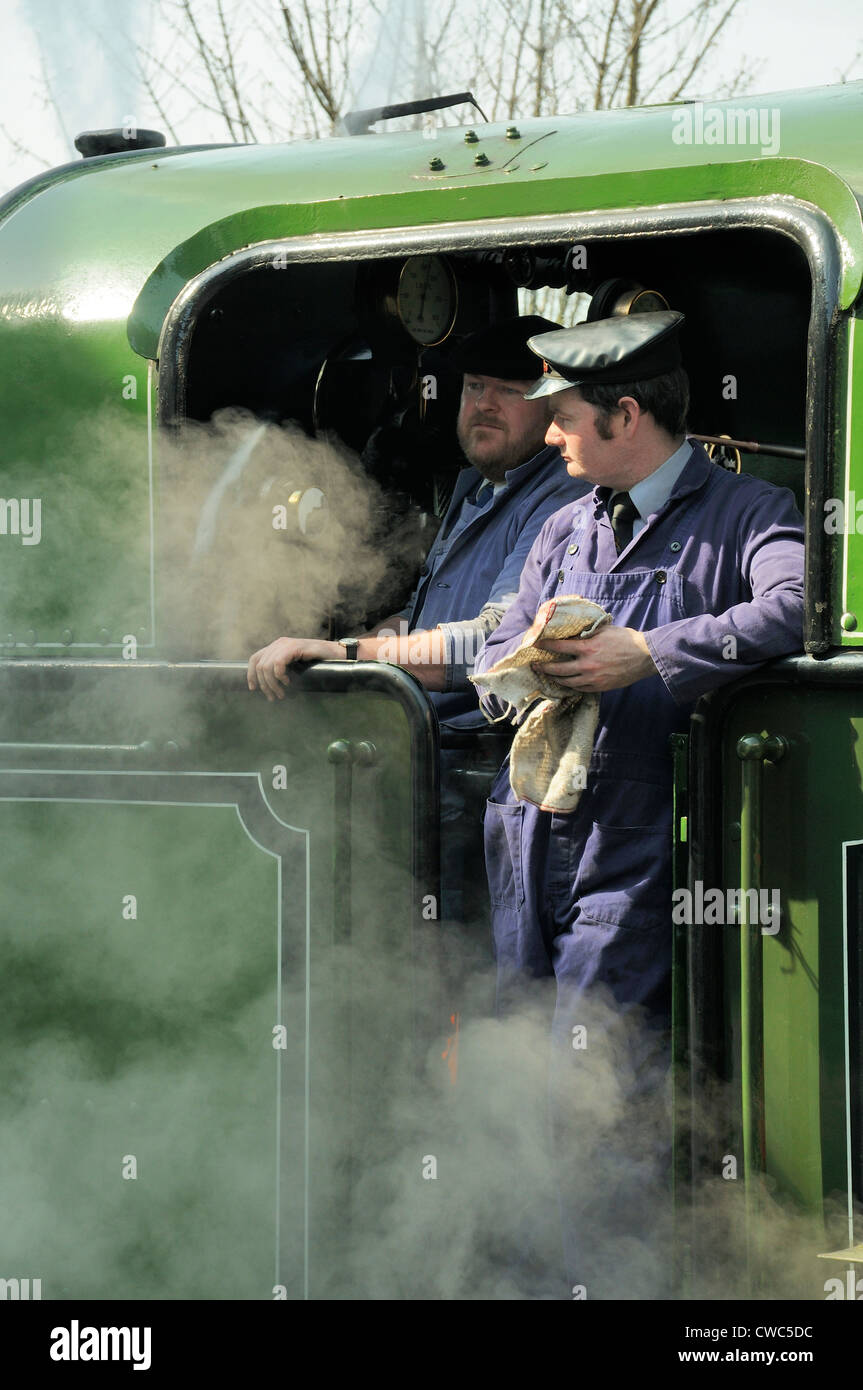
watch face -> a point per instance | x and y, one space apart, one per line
426 299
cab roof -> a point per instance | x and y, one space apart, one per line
121 219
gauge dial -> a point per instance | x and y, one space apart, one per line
426 299
646 302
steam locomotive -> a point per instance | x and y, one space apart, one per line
198 886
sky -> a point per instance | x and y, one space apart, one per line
89 45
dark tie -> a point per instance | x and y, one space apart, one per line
623 513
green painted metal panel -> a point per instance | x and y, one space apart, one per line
84 582
86 245
577 194
775 1016
811 804
188 870
139 1111
844 514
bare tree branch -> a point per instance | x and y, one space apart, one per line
24 150
230 72
604 61
522 57
845 74
699 57
50 99
309 65
234 120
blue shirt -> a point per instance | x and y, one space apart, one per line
654 491
477 560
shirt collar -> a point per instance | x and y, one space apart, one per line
548 453
654 491
487 483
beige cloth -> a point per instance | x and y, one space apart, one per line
552 748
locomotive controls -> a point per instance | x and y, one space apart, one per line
426 299
416 296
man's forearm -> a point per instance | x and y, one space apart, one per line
390 624
440 657
421 653
462 641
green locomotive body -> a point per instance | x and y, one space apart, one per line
188 869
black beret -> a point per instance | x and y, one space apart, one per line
627 347
501 349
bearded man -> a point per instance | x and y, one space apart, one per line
514 482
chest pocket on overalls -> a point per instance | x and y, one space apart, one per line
643 598
616 849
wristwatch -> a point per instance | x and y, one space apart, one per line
351 646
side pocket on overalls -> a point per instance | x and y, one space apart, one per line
503 825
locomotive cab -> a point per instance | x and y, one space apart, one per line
338 351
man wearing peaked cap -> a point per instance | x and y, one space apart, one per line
513 484
641 346
701 572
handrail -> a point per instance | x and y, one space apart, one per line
754 750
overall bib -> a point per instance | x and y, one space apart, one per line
587 896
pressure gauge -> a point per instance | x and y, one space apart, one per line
426 299
619 297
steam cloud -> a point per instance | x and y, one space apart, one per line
259 532
269 533
151 1036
